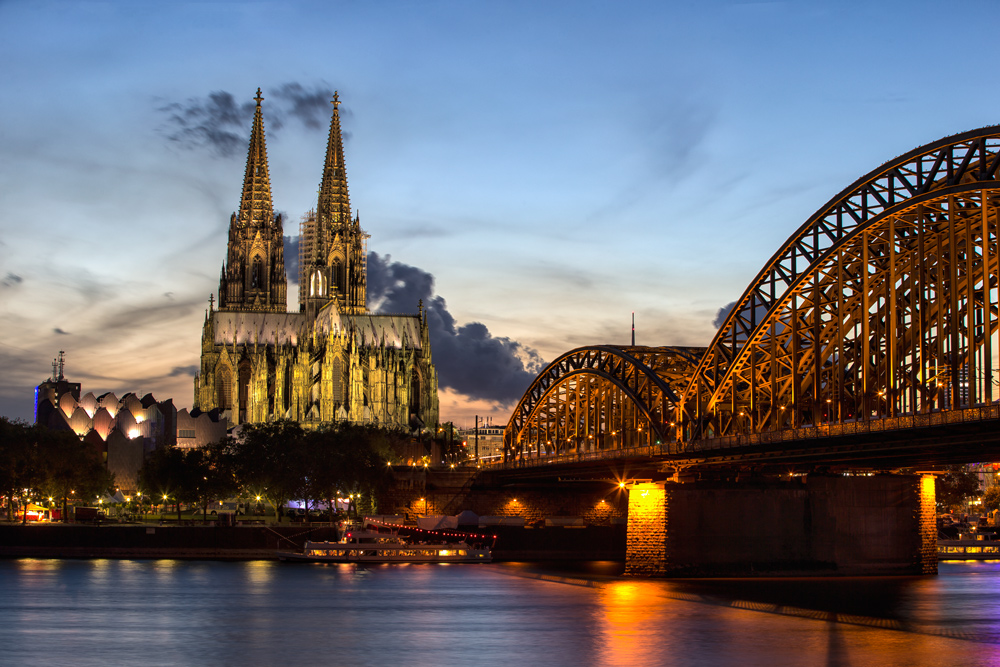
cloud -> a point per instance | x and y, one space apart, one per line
11 279
671 148
720 317
468 358
60 332
219 123
311 108
183 370
291 249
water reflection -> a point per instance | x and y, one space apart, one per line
261 613
629 610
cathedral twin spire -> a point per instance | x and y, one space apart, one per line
331 246
334 203
256 207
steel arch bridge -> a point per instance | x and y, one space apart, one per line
883 304
602 397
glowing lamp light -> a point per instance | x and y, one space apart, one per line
133 433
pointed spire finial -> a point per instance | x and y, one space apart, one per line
259 97
336 100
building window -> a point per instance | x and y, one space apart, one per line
257 274
224 387
244 390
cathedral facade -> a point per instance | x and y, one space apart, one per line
333 360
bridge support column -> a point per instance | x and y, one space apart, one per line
646 552
821 525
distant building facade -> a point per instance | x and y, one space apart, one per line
331 361
122 430
490 438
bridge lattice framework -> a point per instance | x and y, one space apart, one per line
883 304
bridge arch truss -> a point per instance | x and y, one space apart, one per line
883 303
599 398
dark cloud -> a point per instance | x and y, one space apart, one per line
291 244
469 359
60 332
311 108
720 317
221 124
183 370
11 279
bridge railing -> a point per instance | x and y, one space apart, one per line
903 422
647 451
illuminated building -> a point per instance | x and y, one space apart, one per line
122 430
490 441
331 361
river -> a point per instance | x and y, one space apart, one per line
146 612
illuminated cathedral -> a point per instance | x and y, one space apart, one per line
331 361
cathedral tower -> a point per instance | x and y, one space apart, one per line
332 245
253 277
333 361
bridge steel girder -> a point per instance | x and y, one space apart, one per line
884 302
590 393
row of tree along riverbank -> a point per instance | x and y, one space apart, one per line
263 542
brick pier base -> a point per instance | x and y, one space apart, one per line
815 525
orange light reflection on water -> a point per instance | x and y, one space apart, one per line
631 610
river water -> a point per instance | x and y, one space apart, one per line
145 612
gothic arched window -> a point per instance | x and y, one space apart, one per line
317 284
244 390
224 388
257 273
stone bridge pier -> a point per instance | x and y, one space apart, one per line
808 525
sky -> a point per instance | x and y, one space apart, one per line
534 171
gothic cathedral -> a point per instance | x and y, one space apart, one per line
331 361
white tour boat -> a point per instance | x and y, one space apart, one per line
372 546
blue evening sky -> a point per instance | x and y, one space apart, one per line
553 165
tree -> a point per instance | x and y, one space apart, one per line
19 462
350 458
165 474
70 467
267 460
953 487
991 499
218 479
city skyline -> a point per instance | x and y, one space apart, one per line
544 171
